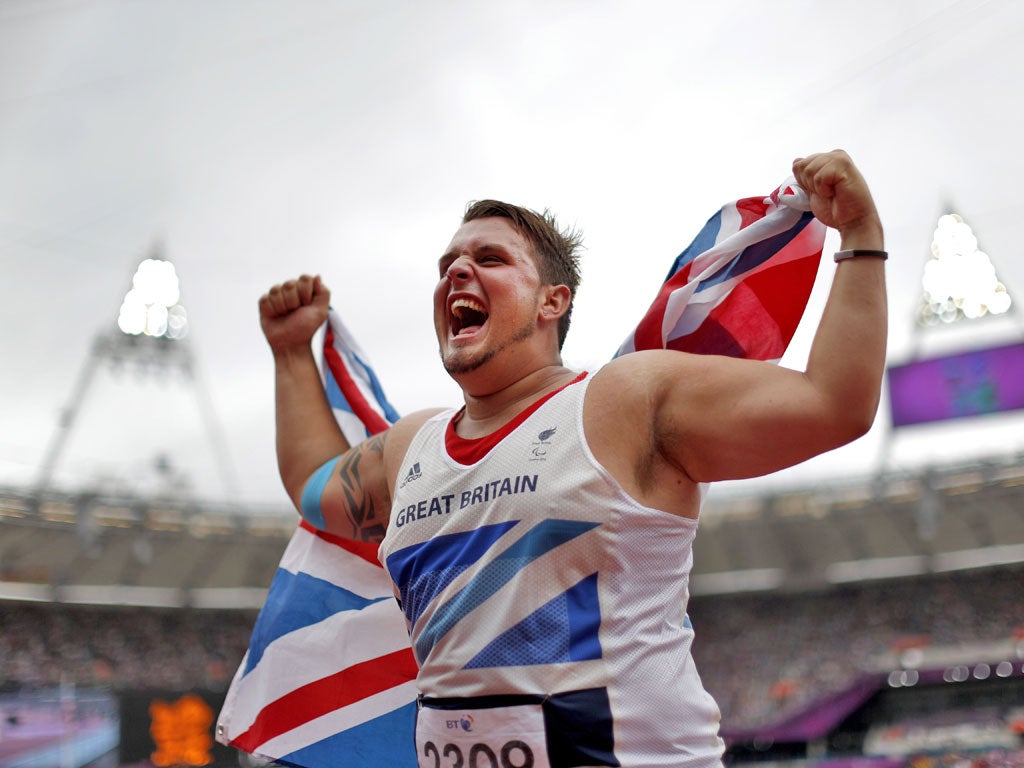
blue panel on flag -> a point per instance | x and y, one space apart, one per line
713 335
378 391
334 396
384 741
705 239
295 601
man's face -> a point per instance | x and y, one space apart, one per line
487 297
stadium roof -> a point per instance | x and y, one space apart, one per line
94 549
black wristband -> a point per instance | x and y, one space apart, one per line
856 252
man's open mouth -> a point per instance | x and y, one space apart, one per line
467 316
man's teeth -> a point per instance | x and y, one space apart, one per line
467 314
460 305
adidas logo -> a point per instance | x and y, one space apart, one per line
414 474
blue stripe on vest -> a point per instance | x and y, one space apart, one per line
421 571
564 629
542 538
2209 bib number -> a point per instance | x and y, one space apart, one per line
512 754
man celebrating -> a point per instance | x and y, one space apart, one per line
539 537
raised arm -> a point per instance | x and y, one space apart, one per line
718 418
336 487
847 356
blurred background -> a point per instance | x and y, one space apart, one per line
162 164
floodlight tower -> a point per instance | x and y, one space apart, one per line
959 281
960 287
152 326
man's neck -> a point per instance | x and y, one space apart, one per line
490 410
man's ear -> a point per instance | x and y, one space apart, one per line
557 299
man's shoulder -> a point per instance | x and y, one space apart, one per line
400 436
636 385
406 427
623 419
639 367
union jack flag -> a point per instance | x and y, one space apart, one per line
329 679
741 287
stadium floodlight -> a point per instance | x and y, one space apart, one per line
959 280
151 305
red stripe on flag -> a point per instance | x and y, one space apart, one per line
372 420
327 695
759 316
783 292
750 209
648 333
761 313
367 550
754 336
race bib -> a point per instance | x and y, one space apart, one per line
498 737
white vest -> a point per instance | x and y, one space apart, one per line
523 567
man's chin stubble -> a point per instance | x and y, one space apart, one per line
456 366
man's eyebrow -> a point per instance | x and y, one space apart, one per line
483 248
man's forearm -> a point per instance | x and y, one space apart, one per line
847 358
307 433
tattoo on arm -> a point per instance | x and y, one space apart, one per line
368 522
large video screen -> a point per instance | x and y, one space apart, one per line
64 726
80 727
957 386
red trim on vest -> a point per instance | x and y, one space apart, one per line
470 450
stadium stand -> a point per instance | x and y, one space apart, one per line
876 620
764 657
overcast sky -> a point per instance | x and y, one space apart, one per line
253 141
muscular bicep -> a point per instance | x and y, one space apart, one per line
349 495
720 418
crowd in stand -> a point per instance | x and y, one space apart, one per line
46 645
996 758
764 655
759 655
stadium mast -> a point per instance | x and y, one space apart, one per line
151 335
